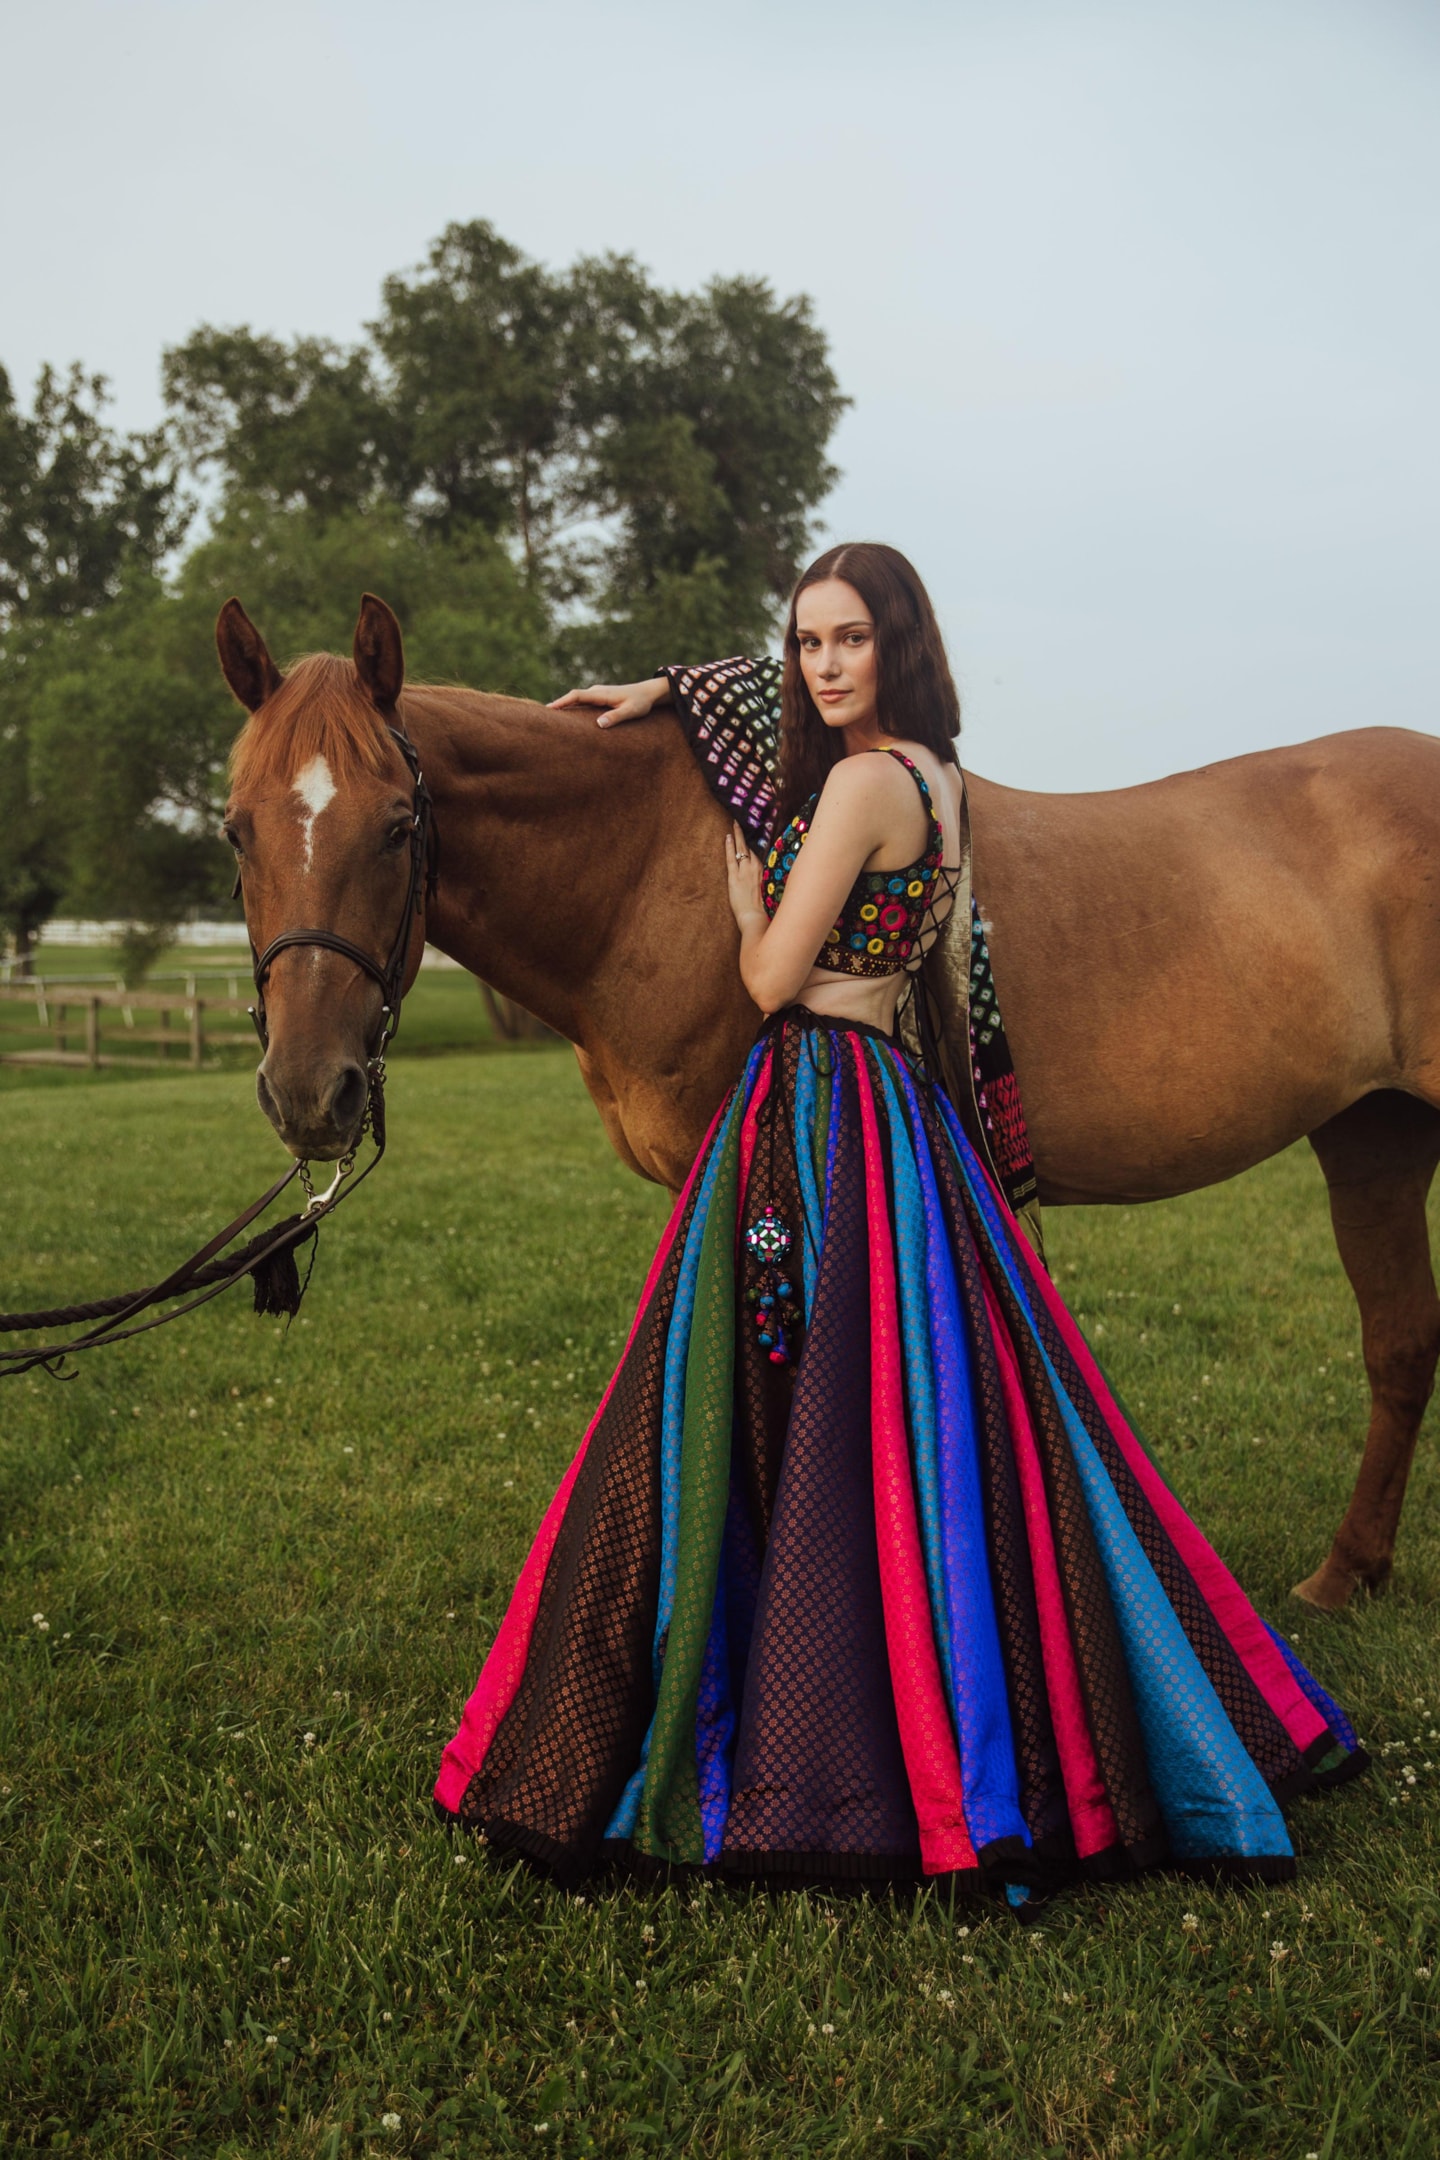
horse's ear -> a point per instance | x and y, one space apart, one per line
379 653
248 667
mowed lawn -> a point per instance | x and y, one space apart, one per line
249 1576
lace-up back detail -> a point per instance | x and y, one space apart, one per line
890 917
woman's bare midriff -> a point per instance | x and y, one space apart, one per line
871 999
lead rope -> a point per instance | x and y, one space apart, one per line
269 1257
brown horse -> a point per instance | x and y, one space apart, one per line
1193 973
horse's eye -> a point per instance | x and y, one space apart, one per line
231 838
398 837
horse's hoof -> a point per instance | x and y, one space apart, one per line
1327 1590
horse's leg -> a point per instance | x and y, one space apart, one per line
1379 1157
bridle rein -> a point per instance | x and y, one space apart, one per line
269 1257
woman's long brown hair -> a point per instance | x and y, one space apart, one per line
916 695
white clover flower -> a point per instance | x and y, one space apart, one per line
386 2017
967 1960
284 1960
459 1859
943 1995
642 1987
647 1933
1277 1951
961 1933
809 2032
272 2039
1190 1922
390 2121
309 1739
1422 1972
827 2030
36 1618
1066 1996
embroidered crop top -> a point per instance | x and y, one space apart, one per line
880 929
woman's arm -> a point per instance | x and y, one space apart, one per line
623 701
869 805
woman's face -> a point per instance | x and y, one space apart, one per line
837 653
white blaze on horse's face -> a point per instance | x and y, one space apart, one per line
315 788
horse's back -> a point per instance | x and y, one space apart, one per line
1197 970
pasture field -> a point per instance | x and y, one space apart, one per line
443 1012
248 1579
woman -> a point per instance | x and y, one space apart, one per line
860 1570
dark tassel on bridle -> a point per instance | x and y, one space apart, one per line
276 1277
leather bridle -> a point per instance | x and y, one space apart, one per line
269 1257
424 874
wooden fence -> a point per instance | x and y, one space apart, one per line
107 1027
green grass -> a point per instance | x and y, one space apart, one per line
270 1564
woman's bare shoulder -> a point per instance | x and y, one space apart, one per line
866 777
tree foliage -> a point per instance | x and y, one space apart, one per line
625 442
85 516
547 473
80 506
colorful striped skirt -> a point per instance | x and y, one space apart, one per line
860 1570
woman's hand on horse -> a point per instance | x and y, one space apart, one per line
622 701
742 870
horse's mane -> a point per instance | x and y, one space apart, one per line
318 711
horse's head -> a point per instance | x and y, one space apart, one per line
322 816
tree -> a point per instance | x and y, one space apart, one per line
295 426
81 508
638 451
468 614
712 460
548 473
84 513
131 723
125 752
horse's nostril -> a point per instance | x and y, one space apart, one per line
347 1098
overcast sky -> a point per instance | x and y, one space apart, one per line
1139 305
